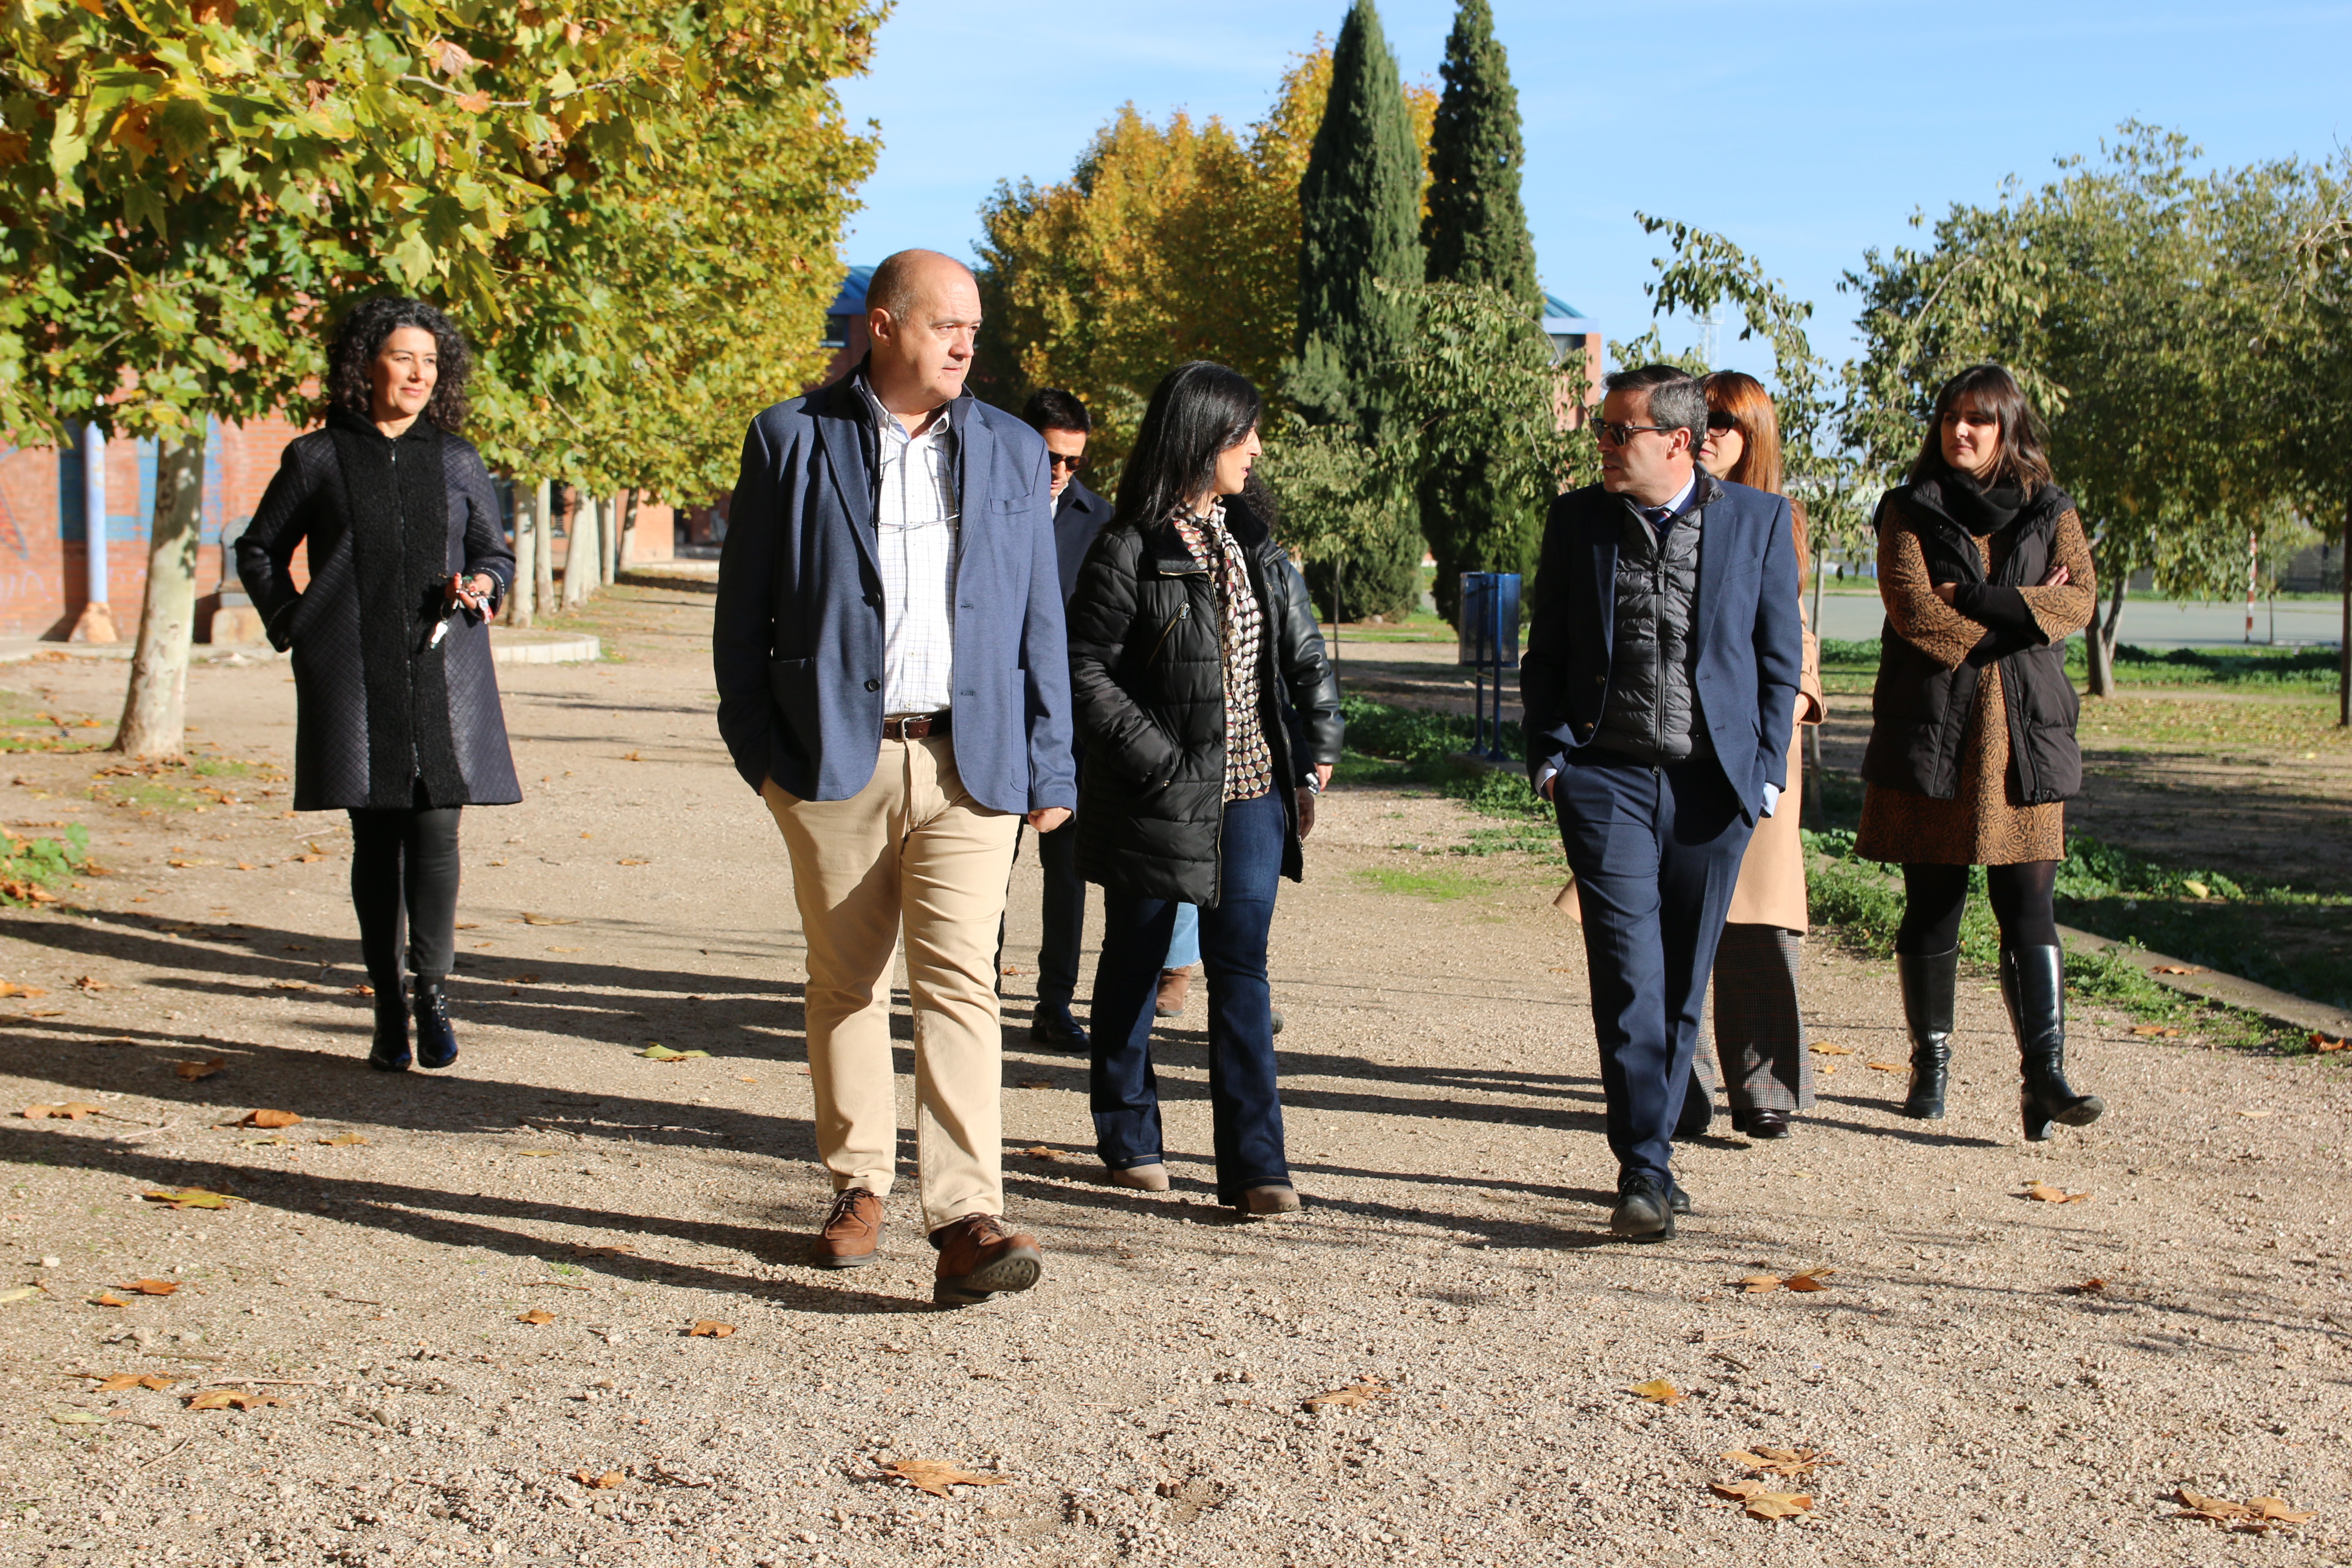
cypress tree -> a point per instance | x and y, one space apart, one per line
1359 220
1476 232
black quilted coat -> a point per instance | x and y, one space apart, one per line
387 522
1147 683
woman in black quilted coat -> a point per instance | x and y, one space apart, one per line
1210 720
398 720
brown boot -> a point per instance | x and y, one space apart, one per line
980 1254
852 1230
1175 987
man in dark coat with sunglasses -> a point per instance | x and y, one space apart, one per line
1660 684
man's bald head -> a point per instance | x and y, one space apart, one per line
922 313
906 280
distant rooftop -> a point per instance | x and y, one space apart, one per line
1557 308
851 300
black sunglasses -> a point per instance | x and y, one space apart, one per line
1720 422
1064 460
1616 434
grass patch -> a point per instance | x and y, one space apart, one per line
2285 671
1440 885
29 867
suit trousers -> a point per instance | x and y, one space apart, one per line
1656 854
1065 916
913 849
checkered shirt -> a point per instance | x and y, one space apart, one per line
917 523
1249 763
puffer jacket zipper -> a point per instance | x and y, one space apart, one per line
400 511
1183 612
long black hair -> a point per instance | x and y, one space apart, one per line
2020 461
360 337
1198 410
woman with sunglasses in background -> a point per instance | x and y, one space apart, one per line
1760 1032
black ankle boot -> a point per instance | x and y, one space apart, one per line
390 1053
1928 980
2033 983
437 1044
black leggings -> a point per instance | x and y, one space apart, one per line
406 862
1934 896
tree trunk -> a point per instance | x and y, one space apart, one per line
1812 807
543 533
155 708
2100 640
580 558
608 540
628 532
2344 665
519 597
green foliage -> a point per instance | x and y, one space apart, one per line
31 865
1359 227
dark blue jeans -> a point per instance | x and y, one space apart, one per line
1656 853
1242 1097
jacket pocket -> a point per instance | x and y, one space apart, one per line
791 686
1184 613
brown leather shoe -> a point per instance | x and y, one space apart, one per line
852 1230
1175 989
980 1254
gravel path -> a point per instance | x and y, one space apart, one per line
1981 1398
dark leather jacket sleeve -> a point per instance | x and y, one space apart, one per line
1112 725
1306 673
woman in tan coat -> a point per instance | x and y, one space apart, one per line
1985 573
1760 1033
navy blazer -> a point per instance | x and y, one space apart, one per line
798 635
1077 518
1750 631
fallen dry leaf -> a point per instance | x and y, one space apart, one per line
2088 1287
629 757
1039 1152
2257 1514
194 1070
2177 969
1036 1083
2154 1031
661 1053
935 1476
581 1249
224 1398
342 1141
290 985
108 1299
531 920
707 1328
74 1112
1355 1394
536 1315
20 1293
1658 1391
270 1119
91 983
150 1286
1790 1463
1761 1501
10 988
1804 1279
272 1142
359 990
604 1482
1825 1050
1888 1066
632 862
2043 1193
122 1379
2320 1042
192 1198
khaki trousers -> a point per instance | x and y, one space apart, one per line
912 848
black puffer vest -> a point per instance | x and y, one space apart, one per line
1919 710
1652 713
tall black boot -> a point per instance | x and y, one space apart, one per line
1928 980
2033 983
437 1043
390 1053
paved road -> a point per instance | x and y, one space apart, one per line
2150 623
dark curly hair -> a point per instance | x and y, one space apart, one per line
360 336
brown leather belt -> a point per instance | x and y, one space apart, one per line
916 728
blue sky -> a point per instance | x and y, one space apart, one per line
1805 131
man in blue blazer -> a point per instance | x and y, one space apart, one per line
893 680
1079 515
1660 682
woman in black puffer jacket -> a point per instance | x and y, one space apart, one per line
1189 630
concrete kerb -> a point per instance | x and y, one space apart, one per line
2279 1007
507 647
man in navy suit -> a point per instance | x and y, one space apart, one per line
1660 682
1079 515
893 680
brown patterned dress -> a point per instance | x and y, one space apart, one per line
1981 825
